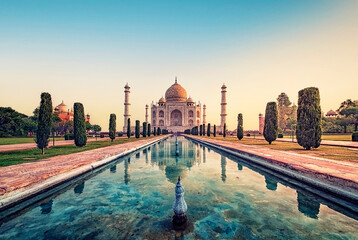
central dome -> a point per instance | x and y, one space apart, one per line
176 93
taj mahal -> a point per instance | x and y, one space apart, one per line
176 112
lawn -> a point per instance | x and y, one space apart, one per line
30 155
18 140
338 137
329 152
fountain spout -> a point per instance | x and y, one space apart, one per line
179 208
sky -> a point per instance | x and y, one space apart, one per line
86 51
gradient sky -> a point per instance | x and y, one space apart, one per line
86 51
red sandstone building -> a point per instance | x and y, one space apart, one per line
66 114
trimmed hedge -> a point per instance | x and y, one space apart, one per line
69 136
280 135
355 137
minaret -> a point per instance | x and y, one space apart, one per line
146 113
261 123
223 106
204 114
126 107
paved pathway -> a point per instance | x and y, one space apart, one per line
23 146
323 142
335 172
24 176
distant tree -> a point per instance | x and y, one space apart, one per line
29 126
129 128
155 131
345 122
208 130
284 110
144 129
89 126
149 130
214 133
44 121
224 132
346 104
309 118
159 131
12 122
79 125
96 129
112 126
351 112
201 130
137 129
271 122
240 129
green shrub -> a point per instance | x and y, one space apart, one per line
214 133
69 136
137 129
271 122
280 135
144 129
355 137
101 135
129 128
309 119
79 125
209 130
240 129
248 134
149 130
44 121
112 126
120 134
224 132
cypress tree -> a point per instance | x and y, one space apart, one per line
271 122
79 125
155 131
112 126
129 128
209 129
240 129
159 131
137 129
309 118
214 133
224 132
149 130
44 121
144 129
203 129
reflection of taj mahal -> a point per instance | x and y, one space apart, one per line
176 112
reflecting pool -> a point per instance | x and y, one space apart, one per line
227 199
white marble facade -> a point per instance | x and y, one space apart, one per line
175 112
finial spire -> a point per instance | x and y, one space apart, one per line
179 179
176 79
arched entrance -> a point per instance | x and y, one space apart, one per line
176 118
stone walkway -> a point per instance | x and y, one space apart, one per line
323 142
334 172
24 176
23 146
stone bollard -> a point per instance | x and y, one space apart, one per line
179 208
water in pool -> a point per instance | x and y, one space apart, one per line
227 199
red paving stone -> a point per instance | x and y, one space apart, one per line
325 169
23 146
24 176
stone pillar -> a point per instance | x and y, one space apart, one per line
146 113
204 114
223 107
261 123
126 107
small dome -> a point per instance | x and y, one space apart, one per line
62 107
331 113
176 93
190 100
223 86
162 100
